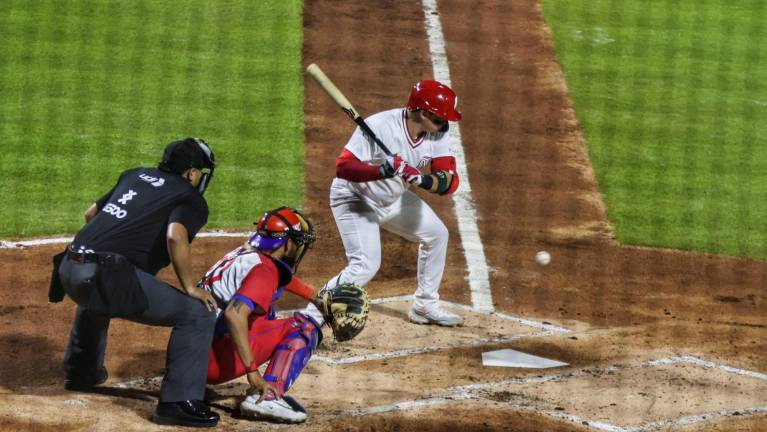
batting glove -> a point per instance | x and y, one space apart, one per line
411 174
392 166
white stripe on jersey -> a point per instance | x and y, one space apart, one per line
225 277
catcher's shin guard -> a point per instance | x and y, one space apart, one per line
292 354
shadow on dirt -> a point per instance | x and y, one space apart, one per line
459 422
29 362
144 364
383 309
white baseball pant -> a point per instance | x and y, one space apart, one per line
409 217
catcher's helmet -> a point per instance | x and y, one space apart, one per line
436 98
188 153
277 226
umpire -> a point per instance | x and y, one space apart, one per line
145 222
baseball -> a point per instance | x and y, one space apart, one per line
543 258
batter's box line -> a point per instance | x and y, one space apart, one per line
548 330
708 365
543 325
427 349
155 381
690 420
473 392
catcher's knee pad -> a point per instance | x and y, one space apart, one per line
293 352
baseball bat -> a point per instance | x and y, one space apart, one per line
326 84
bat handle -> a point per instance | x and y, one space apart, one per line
366 129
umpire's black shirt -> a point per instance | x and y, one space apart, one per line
133 217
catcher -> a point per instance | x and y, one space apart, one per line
246 283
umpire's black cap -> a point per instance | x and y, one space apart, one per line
187 153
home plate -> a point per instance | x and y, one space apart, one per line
511 358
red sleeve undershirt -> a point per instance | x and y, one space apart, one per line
348 167
299 288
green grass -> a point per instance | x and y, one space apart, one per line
672 98
89 88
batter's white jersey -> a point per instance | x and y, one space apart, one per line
390 127
361 209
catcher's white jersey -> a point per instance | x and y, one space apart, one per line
389 126
225 277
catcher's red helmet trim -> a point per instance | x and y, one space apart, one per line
277 226
436 98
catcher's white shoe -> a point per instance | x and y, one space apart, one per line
285 410
434 315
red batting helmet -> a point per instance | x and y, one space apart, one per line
435 97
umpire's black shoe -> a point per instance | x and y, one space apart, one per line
85 382
192 413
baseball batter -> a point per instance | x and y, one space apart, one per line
370 192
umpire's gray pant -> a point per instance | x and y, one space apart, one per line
186 366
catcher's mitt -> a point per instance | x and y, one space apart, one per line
345 309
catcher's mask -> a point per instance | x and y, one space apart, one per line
436 98
188 153
277 226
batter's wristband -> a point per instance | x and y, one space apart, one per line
386 171
426 182
443 182
436 182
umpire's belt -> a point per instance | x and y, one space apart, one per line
82 257
117 291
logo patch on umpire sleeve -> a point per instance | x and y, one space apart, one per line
154 181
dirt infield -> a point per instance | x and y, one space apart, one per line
655 339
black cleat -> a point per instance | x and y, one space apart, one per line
193 413
77 382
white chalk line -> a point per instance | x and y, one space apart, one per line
543 325
709 365
466 215
547 330
426 349
20 244
524 321
472 391
153 381
401 406
690 420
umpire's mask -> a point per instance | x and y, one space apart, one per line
189 153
